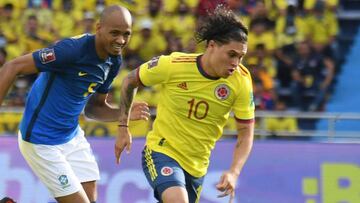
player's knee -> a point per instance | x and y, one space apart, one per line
175 194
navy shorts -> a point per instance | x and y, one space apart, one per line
163 172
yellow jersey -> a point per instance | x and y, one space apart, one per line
193 107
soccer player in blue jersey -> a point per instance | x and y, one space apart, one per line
75 73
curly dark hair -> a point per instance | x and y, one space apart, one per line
222 26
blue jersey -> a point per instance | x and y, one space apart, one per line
70 72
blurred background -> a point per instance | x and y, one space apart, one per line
303 56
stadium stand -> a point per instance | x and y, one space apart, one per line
277 28
344 99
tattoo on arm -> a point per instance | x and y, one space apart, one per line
238 143
128 92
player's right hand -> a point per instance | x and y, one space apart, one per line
123 140
139 111
227 185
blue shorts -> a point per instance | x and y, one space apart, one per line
163 172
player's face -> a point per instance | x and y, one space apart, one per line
226 57
114 33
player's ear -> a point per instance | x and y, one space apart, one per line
98 26
211 43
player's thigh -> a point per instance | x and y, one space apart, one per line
50 165
163 173
174 194
82 160
90 190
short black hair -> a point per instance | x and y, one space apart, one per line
222 26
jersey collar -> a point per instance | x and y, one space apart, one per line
202 71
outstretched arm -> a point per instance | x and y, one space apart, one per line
99 109
128 91
22 65
242 150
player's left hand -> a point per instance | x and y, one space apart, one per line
139 111
227 185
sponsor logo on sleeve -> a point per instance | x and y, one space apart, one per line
153 62
47 55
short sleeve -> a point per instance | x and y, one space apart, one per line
155 71
56 58
244 108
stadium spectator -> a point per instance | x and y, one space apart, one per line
65 18
198 92
183 17
35 38
19 92
261 59
87 24
10 26
261 13
260 35
42 10
330 5
322 28
148 42
173 44
240 8
50 138
290 29
264 92
261 75
264 99
206 6
281 124
312 77
153 11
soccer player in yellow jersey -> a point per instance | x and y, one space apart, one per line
198 93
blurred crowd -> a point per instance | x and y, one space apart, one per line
292 50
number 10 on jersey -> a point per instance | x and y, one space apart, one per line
194 109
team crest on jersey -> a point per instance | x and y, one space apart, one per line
222 92
153 62
47 55
166 171
64 181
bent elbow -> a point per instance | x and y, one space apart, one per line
88 112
